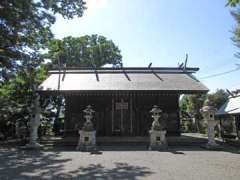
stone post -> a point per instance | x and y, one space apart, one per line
34 124
208 112
87 139
17 129
157 133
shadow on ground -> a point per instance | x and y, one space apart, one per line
28 164
177 149
50 163
120 171
16 164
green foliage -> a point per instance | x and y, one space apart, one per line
26 25
187 127
218 98
85 51
191 105
24 32
16 97
236 14
233 3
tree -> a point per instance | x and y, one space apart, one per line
85 51
236 15
233 3
192 104
16 97
218 98
25 25
24 31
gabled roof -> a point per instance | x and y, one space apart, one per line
231 106
124 79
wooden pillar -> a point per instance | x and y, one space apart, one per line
67 115
178 117
131 114
121 110
237 118
112 114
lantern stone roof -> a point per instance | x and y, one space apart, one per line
162 79
208 108
231 106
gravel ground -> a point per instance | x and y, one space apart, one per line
175 163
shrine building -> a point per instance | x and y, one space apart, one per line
122 97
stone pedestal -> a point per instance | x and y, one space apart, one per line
32 145
157 140
211 133
211 144
87 140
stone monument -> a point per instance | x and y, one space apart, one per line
87 139
208 112
34 124
157 133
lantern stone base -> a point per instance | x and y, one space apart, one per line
87 141
157 140
212 146
32 145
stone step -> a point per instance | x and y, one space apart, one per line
126 141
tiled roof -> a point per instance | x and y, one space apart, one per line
231 106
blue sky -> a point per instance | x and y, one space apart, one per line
162 32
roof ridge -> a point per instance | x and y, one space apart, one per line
126 70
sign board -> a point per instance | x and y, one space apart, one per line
121 105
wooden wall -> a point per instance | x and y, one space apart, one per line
136 117
143 120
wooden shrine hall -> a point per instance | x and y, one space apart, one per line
122 97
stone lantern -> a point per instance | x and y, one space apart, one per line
157 133
208 112
34 125
87 139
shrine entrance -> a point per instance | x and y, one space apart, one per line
121 116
